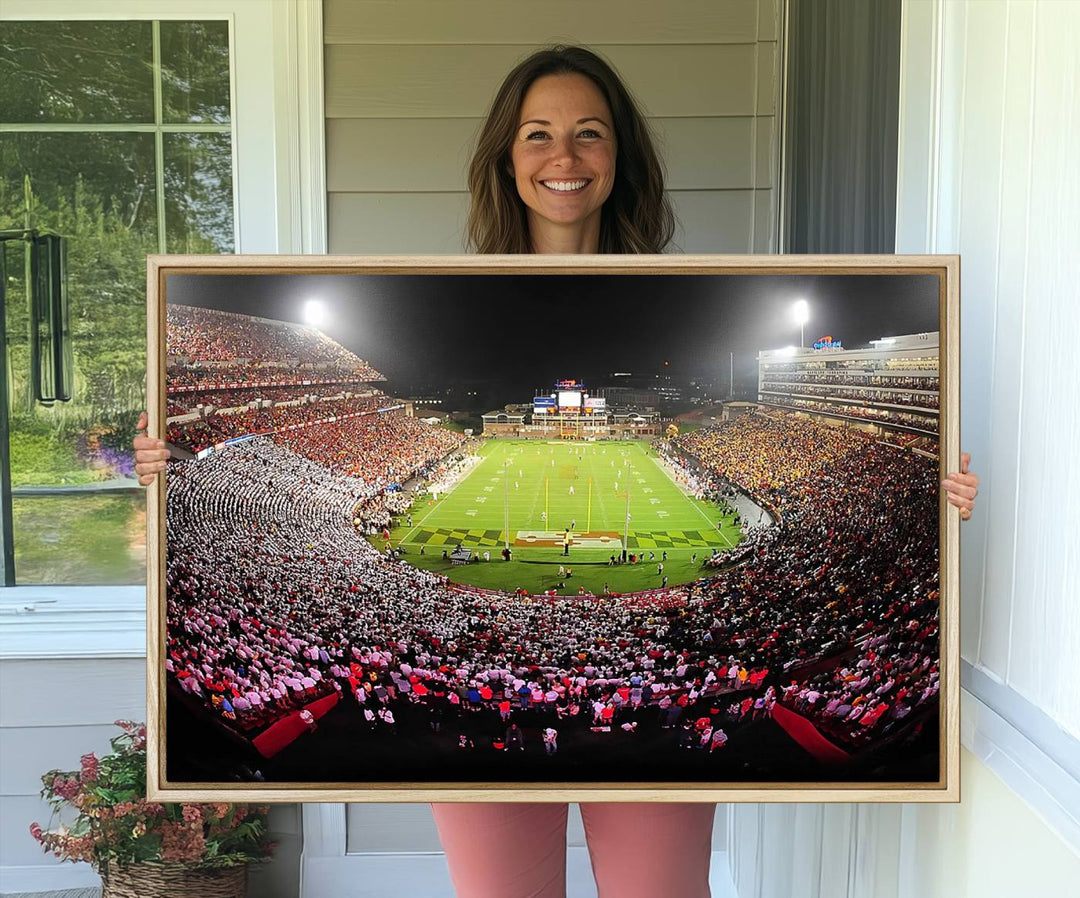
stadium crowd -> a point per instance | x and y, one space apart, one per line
927 421
380 450
183 379
218 427
883 397
275 598
210 349
773 378
857 553
239 398
209 335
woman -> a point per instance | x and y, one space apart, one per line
565 164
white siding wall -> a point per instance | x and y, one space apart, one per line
990 125
408 83
53 712
991 845
989 170
1011 83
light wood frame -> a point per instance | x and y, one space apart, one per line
945 267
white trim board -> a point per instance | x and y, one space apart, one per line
72 622
42 879
1045 786
298 39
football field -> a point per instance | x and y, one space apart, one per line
538 496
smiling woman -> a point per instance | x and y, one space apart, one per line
563 117
563 162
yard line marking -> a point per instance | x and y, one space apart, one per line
693 502
421 516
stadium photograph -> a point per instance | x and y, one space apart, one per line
544 528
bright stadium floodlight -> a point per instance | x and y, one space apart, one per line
801 313
314 313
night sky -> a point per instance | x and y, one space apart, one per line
520 332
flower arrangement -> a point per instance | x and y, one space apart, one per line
116 825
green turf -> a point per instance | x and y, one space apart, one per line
540 475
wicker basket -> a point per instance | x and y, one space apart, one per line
149 880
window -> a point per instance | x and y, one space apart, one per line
117 135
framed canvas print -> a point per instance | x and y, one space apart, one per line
553 528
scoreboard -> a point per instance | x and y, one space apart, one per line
570 401
569 398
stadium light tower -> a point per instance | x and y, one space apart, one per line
314 313
801 313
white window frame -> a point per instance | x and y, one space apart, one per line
276 88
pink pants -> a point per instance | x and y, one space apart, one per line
640 850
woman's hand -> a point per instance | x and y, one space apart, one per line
962 488
150 454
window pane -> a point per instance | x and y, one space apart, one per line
79 519
76 72
98 191
195 71
81 539
198 193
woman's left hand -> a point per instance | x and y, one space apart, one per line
962 488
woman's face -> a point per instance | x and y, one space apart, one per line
563 154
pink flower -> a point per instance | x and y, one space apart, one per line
150 808
36 832
75 848
181 842
219 809
89 767
66 788
192 814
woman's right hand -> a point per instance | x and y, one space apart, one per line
150 454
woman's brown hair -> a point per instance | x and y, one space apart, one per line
637 216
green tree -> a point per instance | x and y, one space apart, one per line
99 190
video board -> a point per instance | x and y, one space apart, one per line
570 400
